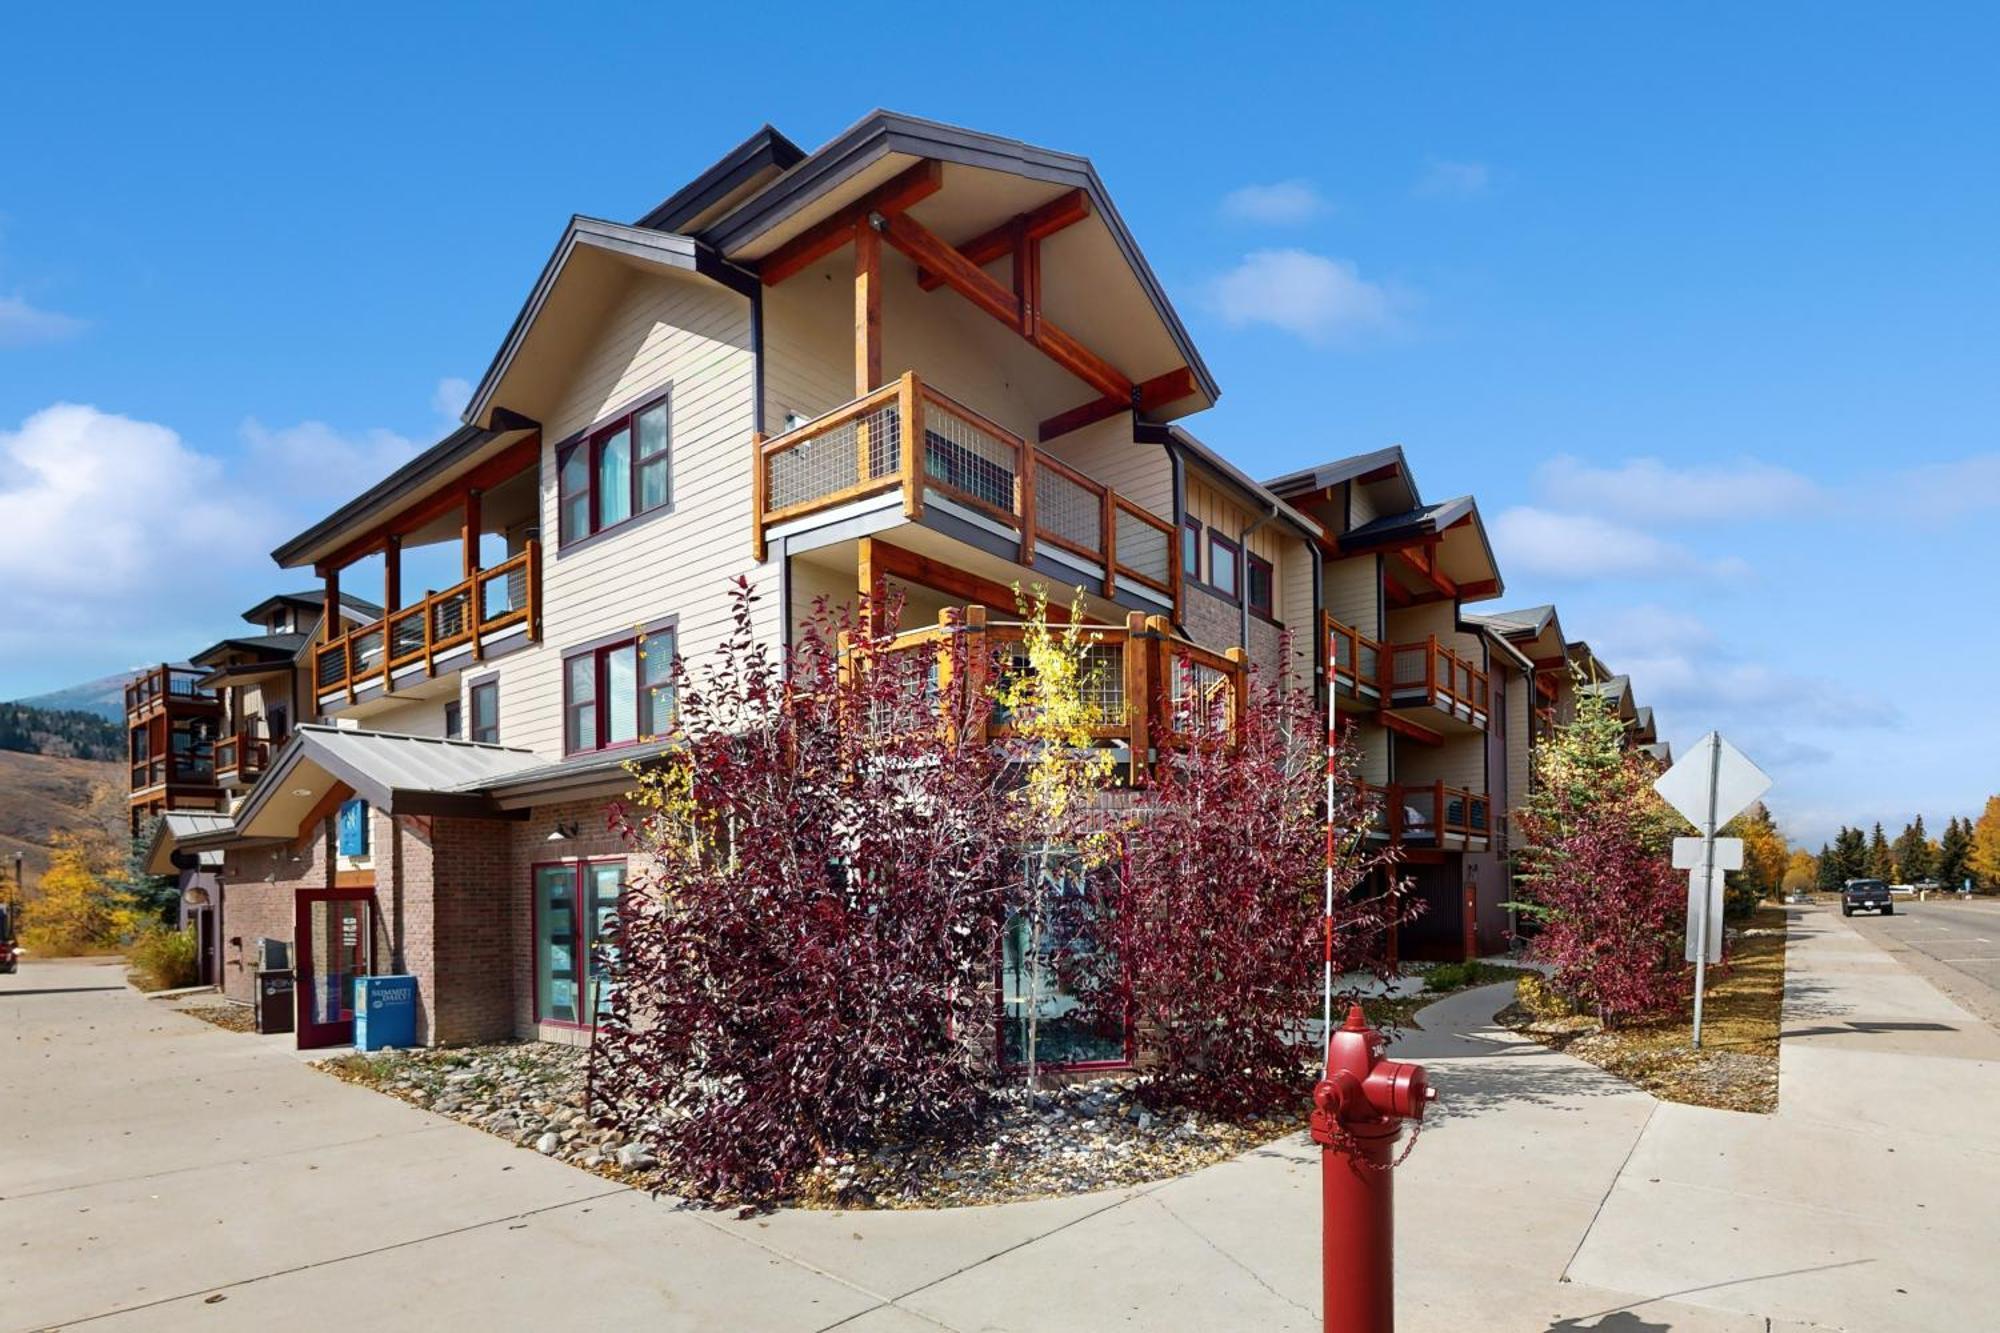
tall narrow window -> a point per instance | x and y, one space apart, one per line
580 690
656 684
454 721
486 712
1222 555
614 478
1260 585
574 483
655 485
1191 548
621 694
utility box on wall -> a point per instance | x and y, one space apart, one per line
385 1012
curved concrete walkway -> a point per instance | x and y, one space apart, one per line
158 1173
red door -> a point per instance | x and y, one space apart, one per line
335 933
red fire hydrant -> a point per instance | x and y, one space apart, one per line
1358 1113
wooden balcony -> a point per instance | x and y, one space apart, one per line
1151 688
241 758
174 772
444 632
856 452
169 687
1432 815
1425 675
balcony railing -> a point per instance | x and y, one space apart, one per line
460 617
1150 688
173 770
241 756
166 684
856 451
1406 675
1420 813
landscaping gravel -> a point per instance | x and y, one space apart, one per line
1071 1140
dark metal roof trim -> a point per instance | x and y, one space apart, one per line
410 477
884 132
1226 472
766 148
1335 471
565 775
669 248
1422 521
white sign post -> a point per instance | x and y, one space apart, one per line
1711 785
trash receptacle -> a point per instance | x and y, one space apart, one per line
385 1012
276 1010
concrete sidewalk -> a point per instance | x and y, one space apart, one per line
1871 1200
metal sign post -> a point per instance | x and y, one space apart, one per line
1710 786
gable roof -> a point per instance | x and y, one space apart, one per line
1331 473
883 133
1527 622
764 153
313 599
1423 521
273 647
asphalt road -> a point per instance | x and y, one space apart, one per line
1955 943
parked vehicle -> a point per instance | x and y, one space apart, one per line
10 957
1870 894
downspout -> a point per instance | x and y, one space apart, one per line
1150 432
1243 575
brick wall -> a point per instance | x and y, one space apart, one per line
258 888
528 847
477 902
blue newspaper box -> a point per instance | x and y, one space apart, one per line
385 1012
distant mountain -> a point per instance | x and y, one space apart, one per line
42 793
104 696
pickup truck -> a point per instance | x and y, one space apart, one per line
1870 894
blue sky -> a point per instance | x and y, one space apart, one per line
1700 301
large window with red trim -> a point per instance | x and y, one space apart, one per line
615 471
618 693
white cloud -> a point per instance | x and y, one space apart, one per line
1583 547
451 396
22 324
1647 490
306 459
1285 203
1455 178
1303 293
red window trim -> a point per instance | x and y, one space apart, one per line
591 441
599 652
576 865
1216 539
1191 524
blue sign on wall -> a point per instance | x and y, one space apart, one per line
353 828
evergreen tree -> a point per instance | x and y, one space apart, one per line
154 898
1881 861
1829 868
1850 855
1955 853
1914 860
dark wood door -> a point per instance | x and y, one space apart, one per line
334 934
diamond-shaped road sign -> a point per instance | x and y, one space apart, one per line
1713 762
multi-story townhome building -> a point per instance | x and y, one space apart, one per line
918 361
1424 689
918 365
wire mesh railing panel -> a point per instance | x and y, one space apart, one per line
1104 682
967 457
1069 511
1143 548
1407 668
831 461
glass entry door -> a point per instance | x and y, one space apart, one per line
576 918
335 933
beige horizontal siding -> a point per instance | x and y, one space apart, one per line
1353 591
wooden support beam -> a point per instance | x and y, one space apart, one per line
1028 280
1151 394
516 457
977 286
867 311
1402 726
823 238
886 560
392 575
323 809
1034 225
1424 561
329 620
468 534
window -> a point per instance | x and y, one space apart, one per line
617 694
576 912
619 469
454 722
1222 564
1191 548
486 712
1260 585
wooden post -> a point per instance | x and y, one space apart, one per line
392 573
330 617
976 660
1239 683
1138 692
948 681
1107 520
910 409
867 309
866 583
469 534
760 482
1024 485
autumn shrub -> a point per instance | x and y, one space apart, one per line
76 908
806 967
1221 920
1598 878
1534 993
161 958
